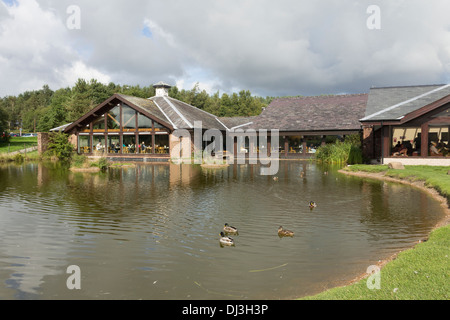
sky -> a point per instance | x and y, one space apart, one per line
272 48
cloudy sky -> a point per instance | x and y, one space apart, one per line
272 48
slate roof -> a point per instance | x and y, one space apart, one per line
237 122
184 116
393 103
146 105
318 113
170 112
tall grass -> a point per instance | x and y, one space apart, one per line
349 151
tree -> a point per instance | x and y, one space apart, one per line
60 146
4 132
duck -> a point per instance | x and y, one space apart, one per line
285 233
312 205
225 240
275 178
230 229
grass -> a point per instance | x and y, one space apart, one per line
18 143
30 156
421 273
81 161
434 177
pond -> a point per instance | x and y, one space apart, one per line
151 231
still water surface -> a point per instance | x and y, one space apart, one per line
152 231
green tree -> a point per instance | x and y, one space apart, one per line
59 146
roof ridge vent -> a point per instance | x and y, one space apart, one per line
162 89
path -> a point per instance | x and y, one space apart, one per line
23 151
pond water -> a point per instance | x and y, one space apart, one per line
152 231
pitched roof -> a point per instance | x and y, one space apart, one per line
237 122
184 116
318 113
394 103
170 112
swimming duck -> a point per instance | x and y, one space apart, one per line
312 205
285 233
226 241
230 229
275 178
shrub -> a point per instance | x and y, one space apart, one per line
18 158
59 146
5 137
78 161
102 163
339 152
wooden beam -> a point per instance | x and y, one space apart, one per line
424 140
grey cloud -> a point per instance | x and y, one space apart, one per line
271 48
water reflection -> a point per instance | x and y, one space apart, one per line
151 231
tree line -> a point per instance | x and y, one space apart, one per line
44 109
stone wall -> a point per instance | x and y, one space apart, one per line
43 141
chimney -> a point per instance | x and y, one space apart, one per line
162 89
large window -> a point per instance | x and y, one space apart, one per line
127 131
113 119
145 144
129 144
406 141
162 143
129 118
295 144
84 144
438 138
145 124
113 143
99 124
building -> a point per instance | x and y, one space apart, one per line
305 123
130 127
406 124
409 124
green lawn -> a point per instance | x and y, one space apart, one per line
421 273
18 143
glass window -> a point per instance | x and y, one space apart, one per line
406 141
158 127
145 124
145 144
84 144
129 144
281 145
438 140
129 118
113 120
312 143
162 143
99 124
295 144
99 144
113 144
86 129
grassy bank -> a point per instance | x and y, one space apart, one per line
17 144
434 177
421 273
30 156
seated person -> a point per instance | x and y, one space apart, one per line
434 151
400 150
